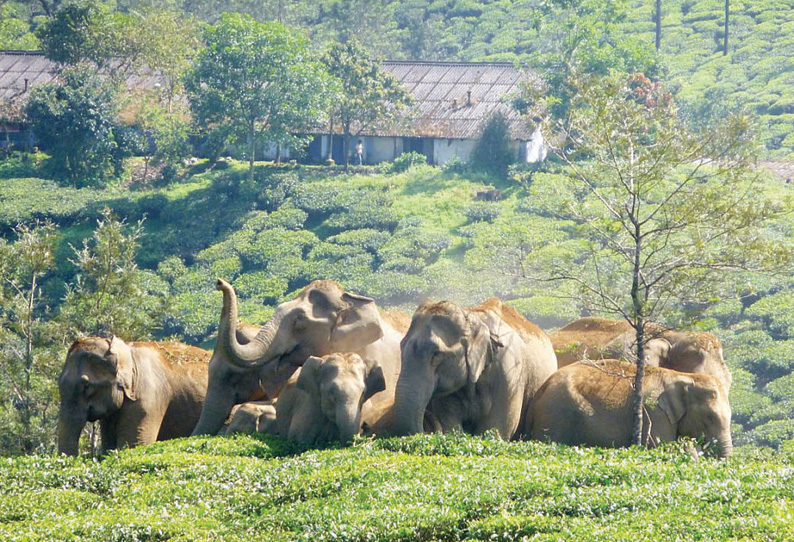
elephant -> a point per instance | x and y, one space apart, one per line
139 392
685 351
469 369
252 417
590 403
326 398
321 320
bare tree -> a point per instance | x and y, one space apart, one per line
664 212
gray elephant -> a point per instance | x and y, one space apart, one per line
321 320
139 392
685 351
325 399
252 417
474 369
589 403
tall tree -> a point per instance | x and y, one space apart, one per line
257 82
725 30
658 20
664 211
28 347
367 95
76 120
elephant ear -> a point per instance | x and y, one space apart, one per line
375 381
674 400
357 325
307 379
657 352
123 358
478 346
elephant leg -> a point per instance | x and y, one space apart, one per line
447 413
137 427
503 414
108 430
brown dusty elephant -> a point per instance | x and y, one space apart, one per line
321 320
686 351
589 403
324 399
471 369
139 392
252 417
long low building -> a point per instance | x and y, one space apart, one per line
451 102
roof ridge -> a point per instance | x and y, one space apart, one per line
448 63
20 52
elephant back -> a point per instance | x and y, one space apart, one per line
587 337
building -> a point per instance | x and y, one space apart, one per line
451 101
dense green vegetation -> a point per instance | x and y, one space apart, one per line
421 488
755 74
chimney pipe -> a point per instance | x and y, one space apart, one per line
468 97
26 85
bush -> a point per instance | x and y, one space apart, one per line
406 161
493 152
482 211
76 122
454 166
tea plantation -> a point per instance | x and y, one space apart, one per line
427 487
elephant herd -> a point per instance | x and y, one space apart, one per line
329 365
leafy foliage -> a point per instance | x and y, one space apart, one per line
76 122
493 151
399 489
256 81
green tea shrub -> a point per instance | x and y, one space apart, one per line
455 166
406 161
368 239
482 211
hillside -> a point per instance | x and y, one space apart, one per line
400 237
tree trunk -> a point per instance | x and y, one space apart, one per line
251 132
331 141
347 148
725 38
639 328
658 24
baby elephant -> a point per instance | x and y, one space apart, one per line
252 417
139 392
323 401
589 403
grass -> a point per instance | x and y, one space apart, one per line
428 487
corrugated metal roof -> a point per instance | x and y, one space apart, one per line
440 90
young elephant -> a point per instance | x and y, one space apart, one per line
470 369
685 351
252 417
589 403
324 400
321 320
139 392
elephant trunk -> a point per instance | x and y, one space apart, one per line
410 401
348 420
726 446
217 407
69 428
252 354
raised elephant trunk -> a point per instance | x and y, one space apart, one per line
69 429
254 353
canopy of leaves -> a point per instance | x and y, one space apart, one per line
255 80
